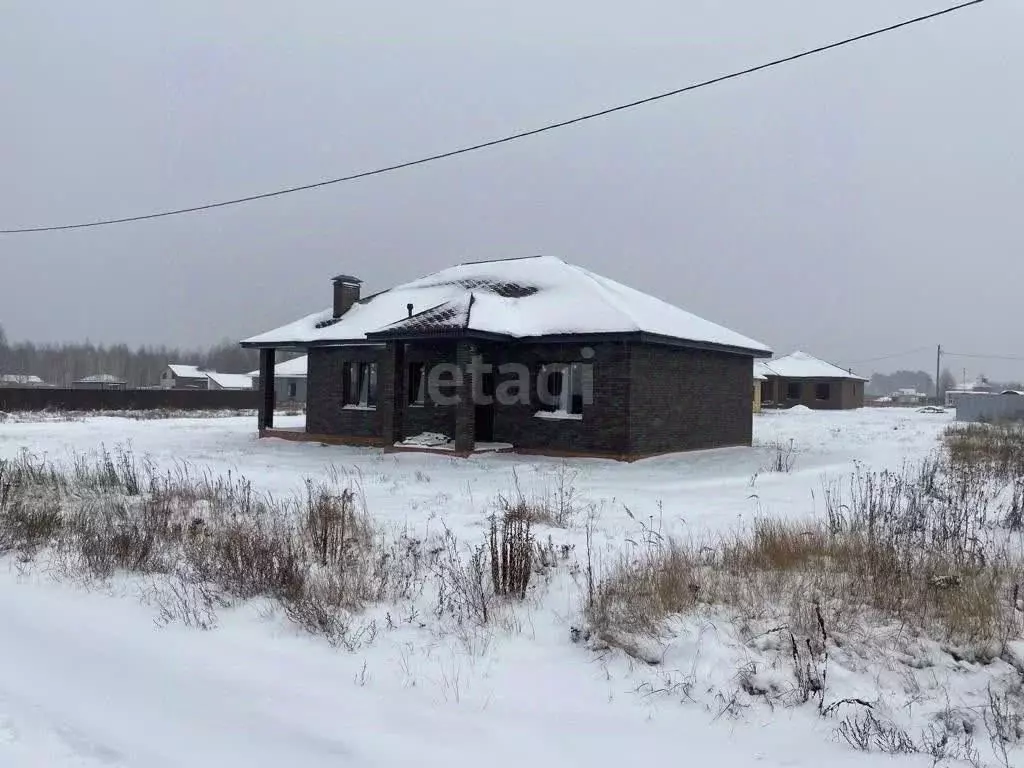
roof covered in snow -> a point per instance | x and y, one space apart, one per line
187 371
101 378
801 365
289 369
515 298
20 378
761 370
230 380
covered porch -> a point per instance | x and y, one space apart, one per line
401 403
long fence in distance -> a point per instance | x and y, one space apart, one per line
47 399
990 407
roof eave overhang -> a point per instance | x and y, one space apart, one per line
642 337
378 338
303 345
455 334
817 378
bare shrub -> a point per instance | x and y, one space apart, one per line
1004 721
556 504
28 524
783 457
511 546
866 732
331 522
462 592
327 607
181 597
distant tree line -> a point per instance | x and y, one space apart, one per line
61 364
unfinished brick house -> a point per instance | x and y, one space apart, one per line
802 379
532 354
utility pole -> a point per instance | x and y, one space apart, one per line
938 373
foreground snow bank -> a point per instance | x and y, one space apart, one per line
90 679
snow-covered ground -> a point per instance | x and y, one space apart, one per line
88 679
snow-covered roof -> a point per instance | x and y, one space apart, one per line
289 369
761 370
230 380
20 378
187 371
801 365
519 298
102 378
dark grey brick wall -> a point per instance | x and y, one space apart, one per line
603 428
646 398
684 399
325 411
429 417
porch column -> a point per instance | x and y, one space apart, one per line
267 395
465 406
392 398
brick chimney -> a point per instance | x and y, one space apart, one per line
346 293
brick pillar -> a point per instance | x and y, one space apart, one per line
392 398
267 401
465 407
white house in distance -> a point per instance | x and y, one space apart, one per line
177 376
20 380
289 381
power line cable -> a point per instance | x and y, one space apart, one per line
504 139
891 356
1017 358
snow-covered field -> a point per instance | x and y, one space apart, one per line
87 679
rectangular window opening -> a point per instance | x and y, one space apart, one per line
417 384
561 389
361 385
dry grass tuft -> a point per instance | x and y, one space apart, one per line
206 540
916 547
556 505
996 449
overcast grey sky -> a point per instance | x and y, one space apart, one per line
859 203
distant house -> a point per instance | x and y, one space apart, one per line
802 379
980 387
177 376
908 396
289 380
21 380
100 381
219 380
760 376
535 354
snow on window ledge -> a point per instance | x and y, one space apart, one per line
559 415
351 407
